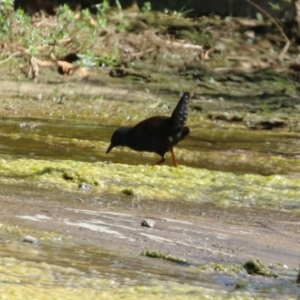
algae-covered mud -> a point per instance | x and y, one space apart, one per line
79 224
86 245
144 182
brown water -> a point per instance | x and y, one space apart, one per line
224 149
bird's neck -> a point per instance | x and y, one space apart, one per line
126 136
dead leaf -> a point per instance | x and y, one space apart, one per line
64 67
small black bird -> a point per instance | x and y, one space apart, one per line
157 134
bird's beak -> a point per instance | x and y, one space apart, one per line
109 148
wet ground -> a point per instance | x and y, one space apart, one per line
71 215
102 238
234 197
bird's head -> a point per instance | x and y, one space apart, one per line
119 138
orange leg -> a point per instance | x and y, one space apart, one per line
160 161
173 157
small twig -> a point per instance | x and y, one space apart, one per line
8 58
138 54
284 50
184 45
288 43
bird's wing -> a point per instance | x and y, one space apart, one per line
153 126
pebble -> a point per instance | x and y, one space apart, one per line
30 239
148 223
85 186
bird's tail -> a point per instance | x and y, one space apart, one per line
179 115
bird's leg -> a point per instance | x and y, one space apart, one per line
161 160
173 157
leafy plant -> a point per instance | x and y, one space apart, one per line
147 6
6 9
66 32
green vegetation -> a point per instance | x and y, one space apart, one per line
128 192
67 32
163 255
232 269
147 6
254 266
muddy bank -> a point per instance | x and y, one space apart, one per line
88 207
103 240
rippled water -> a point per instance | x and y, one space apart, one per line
222 149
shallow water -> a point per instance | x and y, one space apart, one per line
223 149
